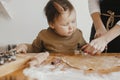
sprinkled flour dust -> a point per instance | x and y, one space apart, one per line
46 73
65 68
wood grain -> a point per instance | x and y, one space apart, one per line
14 69
20 62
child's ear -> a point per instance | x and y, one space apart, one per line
51 25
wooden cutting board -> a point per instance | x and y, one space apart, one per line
12 66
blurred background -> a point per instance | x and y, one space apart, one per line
22 20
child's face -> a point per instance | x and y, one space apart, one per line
65 24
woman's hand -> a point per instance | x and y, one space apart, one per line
99 43
96 46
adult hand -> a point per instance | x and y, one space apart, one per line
96 46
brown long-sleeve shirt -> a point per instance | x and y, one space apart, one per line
49 40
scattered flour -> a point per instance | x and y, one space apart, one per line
49 72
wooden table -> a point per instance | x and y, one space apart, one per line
16 75
13 70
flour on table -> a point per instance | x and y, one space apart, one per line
69 68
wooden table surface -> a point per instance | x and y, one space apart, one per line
14 70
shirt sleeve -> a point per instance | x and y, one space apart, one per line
82 41
36 45
93 6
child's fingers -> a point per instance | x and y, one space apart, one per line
21 50
90 50
85 46
98 52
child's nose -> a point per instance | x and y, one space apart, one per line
70 27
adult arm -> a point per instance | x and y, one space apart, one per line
99 44
94 10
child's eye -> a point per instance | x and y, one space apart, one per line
73 21
65 24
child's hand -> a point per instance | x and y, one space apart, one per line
88 49
21 48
